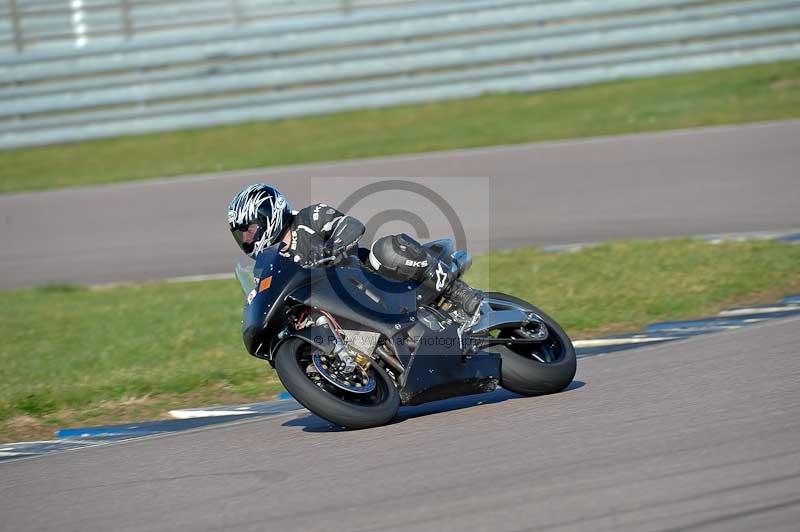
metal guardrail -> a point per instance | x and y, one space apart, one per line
375 53
46 24
312 35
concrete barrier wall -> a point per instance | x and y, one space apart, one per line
279 59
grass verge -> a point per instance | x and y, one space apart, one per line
729 96
76 356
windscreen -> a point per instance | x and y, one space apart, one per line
244 273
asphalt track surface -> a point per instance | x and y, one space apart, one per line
700 434
727 179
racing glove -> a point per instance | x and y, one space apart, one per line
318 253
326 250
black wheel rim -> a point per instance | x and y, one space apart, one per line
333 370
374 398
549 351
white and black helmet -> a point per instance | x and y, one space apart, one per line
263 206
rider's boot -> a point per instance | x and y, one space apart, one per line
462 295
440 279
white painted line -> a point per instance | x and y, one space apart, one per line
709 328
8 454
718 238
711 238
191 414
183 279
758 310
568 248
606 342
195 278
30 442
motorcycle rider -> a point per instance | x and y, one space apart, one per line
259 216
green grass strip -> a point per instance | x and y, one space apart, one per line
81 356
730 96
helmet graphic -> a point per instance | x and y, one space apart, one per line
257 216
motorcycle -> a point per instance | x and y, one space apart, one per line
352 346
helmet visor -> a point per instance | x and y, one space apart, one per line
246 236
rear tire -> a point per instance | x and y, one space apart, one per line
328 406
523 374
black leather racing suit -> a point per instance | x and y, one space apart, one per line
320 230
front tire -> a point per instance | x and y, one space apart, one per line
522 373
289 362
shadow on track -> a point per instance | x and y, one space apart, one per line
312 423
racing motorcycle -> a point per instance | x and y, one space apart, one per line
352 346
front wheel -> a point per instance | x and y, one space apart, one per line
294 363
538 369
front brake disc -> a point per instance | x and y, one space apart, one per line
331 369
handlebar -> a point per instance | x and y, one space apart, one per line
320 262
337 253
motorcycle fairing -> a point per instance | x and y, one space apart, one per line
437 369
348 290
319 336
262 318
356 294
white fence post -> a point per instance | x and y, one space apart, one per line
127 21
235 12
79 23
16 26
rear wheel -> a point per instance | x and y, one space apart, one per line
368 400
536 369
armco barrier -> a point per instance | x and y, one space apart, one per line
365 55
49 24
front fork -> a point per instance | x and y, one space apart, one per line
324 335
